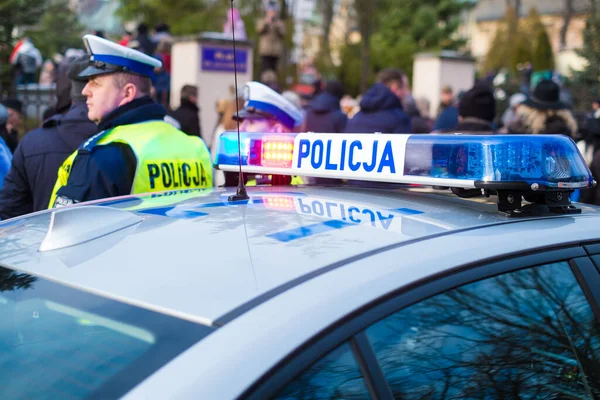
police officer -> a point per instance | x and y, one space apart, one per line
136 151
265 110
30 181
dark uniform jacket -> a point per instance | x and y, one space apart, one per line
475 126
187 116
447 120
34 169
108 170
418 123
325 115
380 111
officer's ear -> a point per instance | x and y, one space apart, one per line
126 84
278 128
130 93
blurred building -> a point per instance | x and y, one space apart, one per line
309 29
344 29
304 12
480 26
99 15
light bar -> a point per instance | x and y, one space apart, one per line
276 151
513 162
262 153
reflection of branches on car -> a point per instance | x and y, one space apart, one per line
334 377
478 341
11 280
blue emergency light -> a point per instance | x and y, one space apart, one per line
524 163
512 161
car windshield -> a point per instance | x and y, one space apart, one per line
60 343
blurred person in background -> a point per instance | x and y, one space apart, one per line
126 38
48 73
142 41
448 112
162 32
544 113
590 149
63 83
14 125
424 107
269 78
511 112
324 114
317 87
350 106
236 22
590 133
295 99
417 122
588 143
226 109
162 75
25 61
526 73
381 107
188 112
271 31
477 110
32 175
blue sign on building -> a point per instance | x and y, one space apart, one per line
221 59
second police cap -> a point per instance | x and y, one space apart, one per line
107 57
260 101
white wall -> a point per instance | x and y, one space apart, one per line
426 81
459 75
212 85
431 73
185 64
303 11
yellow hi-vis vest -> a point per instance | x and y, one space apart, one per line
167 159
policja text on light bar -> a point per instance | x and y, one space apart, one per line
336 155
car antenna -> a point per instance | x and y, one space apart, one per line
241 193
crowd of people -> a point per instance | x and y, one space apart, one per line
91 145
27 63
98 102
389 107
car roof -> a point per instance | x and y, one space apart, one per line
196 255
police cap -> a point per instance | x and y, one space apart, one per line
263 102
107 57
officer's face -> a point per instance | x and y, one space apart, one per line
262 125
103 96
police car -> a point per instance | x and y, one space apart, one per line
490 289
